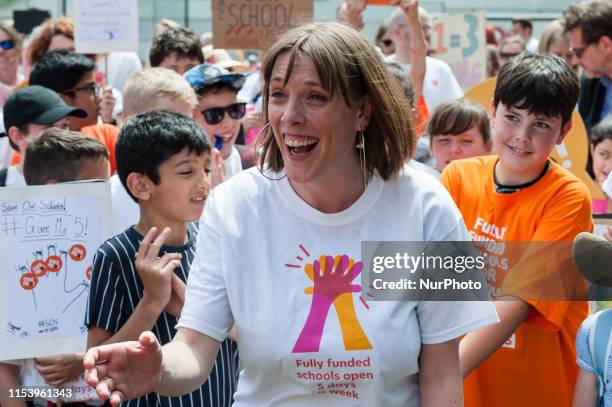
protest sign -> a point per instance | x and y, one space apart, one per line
102 26
255 24
571 154
48 237
459 40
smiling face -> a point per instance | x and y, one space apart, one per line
524 141
602 160
448 147
183 187
315 131
228 128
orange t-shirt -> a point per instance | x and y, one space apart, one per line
106 133
537 365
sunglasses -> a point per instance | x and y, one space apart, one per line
215 115
7 44
508 55
387 42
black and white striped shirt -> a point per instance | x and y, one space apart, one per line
115 292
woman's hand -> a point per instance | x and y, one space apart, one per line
125 370
59 369
440 382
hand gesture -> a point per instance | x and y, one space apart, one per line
125 370
410 7
59 369
217 173
333 280
177 297
107 104
155 272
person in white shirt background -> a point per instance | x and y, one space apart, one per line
335 141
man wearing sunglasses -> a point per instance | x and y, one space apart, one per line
218 110
589 25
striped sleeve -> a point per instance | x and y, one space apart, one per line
106 306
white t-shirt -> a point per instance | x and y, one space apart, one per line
233 163
125 211
14 178
532 45
440 84
257 237
121 65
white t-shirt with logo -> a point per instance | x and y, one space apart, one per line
258 241
440 84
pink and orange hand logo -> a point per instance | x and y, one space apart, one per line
332 277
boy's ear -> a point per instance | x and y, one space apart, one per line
139 185
14 135
564 131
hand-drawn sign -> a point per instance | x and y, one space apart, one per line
255 24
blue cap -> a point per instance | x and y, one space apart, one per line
206 75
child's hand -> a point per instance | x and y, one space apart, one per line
155 272
59 369
177 297
217 167
107 104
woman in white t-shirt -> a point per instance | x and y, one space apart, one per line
279 251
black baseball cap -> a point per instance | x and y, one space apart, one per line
38 105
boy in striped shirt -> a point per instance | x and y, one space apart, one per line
138 278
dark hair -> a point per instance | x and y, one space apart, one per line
60 70
541 83
350 68
60 155
602 131
182 41
594 18
148 140
524 23
457 117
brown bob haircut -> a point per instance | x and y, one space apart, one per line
348 67
457 117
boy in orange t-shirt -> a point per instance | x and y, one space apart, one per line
519 194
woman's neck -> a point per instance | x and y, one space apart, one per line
332 194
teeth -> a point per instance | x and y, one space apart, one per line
198 199
518 150
300 143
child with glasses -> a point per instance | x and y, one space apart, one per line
218 110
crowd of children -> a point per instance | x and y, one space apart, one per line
182 127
